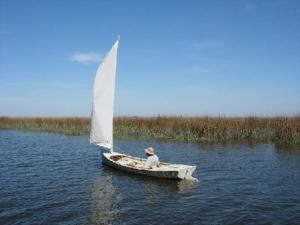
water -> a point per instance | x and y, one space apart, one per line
55 179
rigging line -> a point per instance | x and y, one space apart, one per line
119 149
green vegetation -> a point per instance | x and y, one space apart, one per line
67 126
279 130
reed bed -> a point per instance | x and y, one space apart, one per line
68 126
280 130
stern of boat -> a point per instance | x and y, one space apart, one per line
186 172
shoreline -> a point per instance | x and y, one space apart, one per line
278 130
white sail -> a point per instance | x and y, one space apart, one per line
103 100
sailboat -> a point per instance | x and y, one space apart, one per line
101 133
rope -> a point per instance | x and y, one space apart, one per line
120 150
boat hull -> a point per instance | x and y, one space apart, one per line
182 172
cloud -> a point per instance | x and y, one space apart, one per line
86 57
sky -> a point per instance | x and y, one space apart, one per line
189 58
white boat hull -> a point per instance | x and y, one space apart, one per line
136 165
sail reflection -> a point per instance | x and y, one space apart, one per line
103 208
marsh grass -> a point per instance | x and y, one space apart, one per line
68 126
280 130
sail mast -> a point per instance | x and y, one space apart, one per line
103 101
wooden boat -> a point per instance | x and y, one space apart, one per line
102 127
136 165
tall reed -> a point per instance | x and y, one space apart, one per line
282 130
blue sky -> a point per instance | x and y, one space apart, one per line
232 58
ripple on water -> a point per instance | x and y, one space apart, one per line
56 179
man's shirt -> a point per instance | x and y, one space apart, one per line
151 162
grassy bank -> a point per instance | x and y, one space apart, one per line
280 130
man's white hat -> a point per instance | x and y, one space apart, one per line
149 151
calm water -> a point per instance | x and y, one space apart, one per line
55 179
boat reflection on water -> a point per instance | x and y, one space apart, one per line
187 185
104 210
106 200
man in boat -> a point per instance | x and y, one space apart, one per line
152 159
